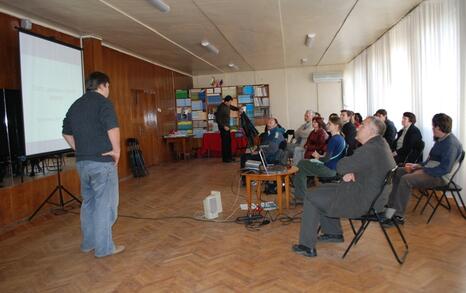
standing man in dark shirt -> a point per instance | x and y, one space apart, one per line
390 132
91 129
222 116
349 130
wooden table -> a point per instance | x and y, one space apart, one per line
180 139
278 178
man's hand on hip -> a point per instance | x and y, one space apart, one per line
114 154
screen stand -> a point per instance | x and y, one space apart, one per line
60 188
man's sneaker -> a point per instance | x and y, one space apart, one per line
304 250
334 238
389 223
87 250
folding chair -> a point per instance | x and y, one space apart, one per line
451 187
373 216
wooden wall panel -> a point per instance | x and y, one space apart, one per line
9 52
127 75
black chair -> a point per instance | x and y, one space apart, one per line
289 135
451 187
373 215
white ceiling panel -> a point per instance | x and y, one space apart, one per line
368 21
253 34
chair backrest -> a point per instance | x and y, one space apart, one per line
386 183
289 135
458 164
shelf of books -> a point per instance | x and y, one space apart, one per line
196 107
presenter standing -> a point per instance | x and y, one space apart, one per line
222 117
91 129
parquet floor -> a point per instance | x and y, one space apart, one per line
182 255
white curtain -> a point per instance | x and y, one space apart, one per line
355 85
418 66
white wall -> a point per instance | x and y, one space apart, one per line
291 90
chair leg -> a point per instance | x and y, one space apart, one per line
399 259
429 197
423 194
352 226
358 235
444 195
463 210
364 224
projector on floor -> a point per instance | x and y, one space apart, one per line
212 205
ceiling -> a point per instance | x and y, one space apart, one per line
252 34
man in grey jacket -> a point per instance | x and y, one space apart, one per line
363 175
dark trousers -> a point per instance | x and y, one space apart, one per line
226 144
403 183
317 204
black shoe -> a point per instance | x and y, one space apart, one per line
304 250
389 223
334 238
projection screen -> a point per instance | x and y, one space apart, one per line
51 80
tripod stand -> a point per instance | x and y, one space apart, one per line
60 188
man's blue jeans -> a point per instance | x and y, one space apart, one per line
99 210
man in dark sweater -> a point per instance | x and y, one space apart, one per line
91 129
390 131
349 131
432 172
222 117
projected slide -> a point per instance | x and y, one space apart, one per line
51 80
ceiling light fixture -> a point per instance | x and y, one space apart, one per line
233 66
210 47
303 60
160 5
310 40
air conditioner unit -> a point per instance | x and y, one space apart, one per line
326 77
212 205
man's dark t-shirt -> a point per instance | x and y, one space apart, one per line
88 120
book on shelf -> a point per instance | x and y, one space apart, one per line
217 90
199 132
248 90
229 91
199 115
209 91
261 102
214 99
260 91
183 102
194 94
244 99
181 94
200 123
185 125
197 105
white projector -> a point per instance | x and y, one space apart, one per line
212 205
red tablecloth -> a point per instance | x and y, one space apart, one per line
212 144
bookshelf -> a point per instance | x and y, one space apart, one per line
196 107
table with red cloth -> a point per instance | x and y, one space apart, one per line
212 144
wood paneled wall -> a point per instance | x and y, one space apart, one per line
143 95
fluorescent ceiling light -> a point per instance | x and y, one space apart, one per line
160 5
233 66
303 60
310 40
210 47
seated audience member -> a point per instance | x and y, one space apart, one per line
266 129
316 141
301 134
363 175
432 172
390 131
270 144
349 130
357 120
407 141
321 165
